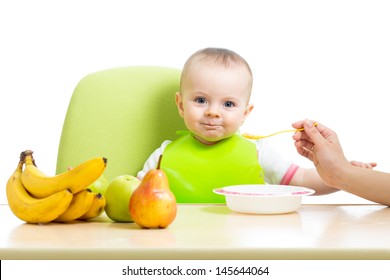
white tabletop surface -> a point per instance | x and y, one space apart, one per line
209 232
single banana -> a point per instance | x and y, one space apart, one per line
75 180
97 207
34 210
79 205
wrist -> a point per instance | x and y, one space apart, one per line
344 175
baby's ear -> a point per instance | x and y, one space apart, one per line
179 103
248 110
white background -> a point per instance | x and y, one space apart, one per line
324 60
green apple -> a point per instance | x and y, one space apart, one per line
118 196
100 185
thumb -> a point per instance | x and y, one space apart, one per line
313 133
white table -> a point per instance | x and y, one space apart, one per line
209 232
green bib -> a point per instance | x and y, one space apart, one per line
194 169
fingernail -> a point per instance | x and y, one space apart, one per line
308 123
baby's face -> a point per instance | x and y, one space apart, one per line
214 100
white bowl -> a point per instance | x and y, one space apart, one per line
263 199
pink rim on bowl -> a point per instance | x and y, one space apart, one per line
228 192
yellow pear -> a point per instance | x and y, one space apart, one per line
152 204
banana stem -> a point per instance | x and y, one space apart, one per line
28 156
22 156
25 154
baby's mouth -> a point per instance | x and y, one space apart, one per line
211 126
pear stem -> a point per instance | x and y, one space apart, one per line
159 162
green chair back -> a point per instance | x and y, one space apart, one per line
122 114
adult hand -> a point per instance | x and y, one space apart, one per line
321 145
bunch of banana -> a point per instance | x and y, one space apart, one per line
37 198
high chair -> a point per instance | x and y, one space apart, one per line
122 114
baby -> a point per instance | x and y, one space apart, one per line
214 101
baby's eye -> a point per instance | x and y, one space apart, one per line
229 104
200 100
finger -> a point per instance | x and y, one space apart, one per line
297 135
298 124
324 131
304 143
301 135
303 148
314 132
368 165
357 163
307 153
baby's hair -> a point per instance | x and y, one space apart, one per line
219 56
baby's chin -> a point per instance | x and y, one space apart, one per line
209 140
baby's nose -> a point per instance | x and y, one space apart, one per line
212 112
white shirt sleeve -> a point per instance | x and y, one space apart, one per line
152 161
275 167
